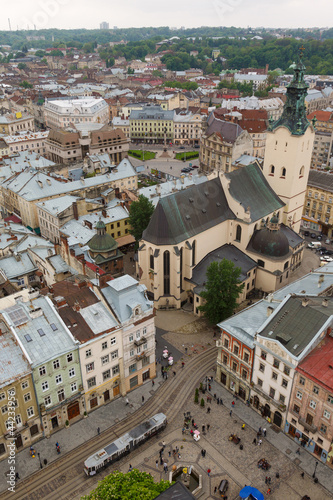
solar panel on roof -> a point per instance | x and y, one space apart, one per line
54 327
41 332
27 337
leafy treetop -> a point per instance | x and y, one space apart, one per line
140 215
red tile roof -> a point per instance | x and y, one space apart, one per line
318 365
322 116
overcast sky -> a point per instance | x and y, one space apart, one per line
174 13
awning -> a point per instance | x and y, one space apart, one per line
125 240
249 490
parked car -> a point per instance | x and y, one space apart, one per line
306 233
328 241
329 252
181 147
185 170
195 166
313 235
319 237
196 146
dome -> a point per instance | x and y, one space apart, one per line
102 242
274 219
270 243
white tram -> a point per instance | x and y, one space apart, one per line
125 444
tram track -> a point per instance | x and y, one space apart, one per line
63 478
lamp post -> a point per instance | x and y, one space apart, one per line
314 472
165 131
40 462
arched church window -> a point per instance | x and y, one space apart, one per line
261 263
238 233
193 252
272 171
301 171
166 272
283 172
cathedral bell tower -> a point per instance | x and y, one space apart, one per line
288 149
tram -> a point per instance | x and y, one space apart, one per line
125 444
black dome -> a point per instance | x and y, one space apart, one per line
270 243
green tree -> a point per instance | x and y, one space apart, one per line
140 215
26 85
222 290
21 66
134 484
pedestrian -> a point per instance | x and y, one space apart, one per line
17 477
192 422
202 453
156 464
143 399
259 442
174 373
215 489
45 462
233 404
209 387
163 445
153 383
98 431
161 460
254 441
208 409
191 432
302 475
269 491
221 401
130 468
298 451
230 413
259 430
208 426
243 427
208 472
127 402
218 401
269 479
264 431
203 428
214 396
266 480
185 350
183 364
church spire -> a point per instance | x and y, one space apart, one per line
294 111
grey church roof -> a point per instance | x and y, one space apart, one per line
249 187
184 214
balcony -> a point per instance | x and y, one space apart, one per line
140 356
307 427
140 341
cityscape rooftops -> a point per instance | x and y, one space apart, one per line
13 363
318 364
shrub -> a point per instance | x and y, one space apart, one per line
202 402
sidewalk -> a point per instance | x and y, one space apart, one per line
305 461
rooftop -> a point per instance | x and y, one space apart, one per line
318 365
13 363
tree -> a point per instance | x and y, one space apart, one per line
134 484
222 290
21 66
140 215
26 85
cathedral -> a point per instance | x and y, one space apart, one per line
250 216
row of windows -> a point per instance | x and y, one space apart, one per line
104 360
105 345
106 375
60 394
24 386
322 196
276 363
246 355
55 363
272 392
58 379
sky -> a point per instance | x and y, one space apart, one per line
66 14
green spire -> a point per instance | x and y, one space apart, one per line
294 111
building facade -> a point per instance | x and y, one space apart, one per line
318 206
62 113
152 124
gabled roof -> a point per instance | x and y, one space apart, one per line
187 213
250 188
318 365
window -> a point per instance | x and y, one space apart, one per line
90 367
302 381
330 399
115 370
263 355
246 357
145 347
71 372
61 395
272 170
271 392
2 396
166 272
236 350
27 397
137 335
73 386
284 383
42 371
138 350
274 375
106 374
113 341
30 412
261 367
91 382
238 233
226 343
316 390
88 353
25 384
130 338
114 354
244 374
286 370
326 414
58 379
282 398
104 345
132 368
323 429
69 358
260 382
313 404
47 401
105 359
132 352
296 409
45 386
276 363
225 359
56 364
283 172
299 395
4 409
234 366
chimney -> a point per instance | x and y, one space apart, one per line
324 303
75 210
269 310
104 213
321 280
305 302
